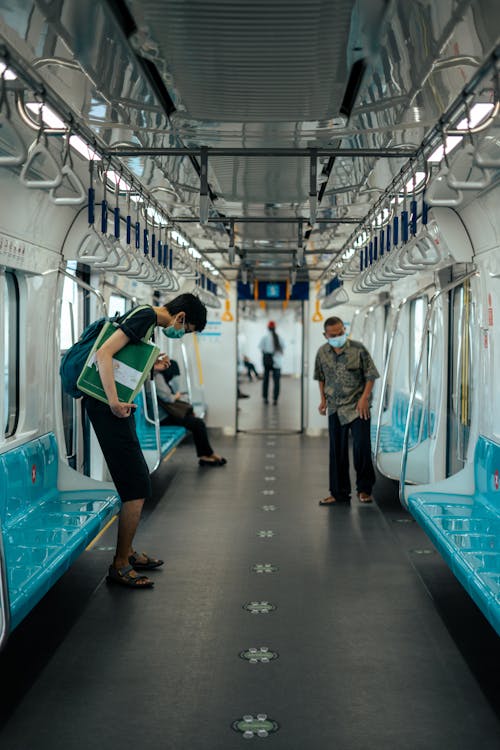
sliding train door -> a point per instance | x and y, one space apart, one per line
460 377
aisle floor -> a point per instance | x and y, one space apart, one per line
365 661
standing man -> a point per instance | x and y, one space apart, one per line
272 347
346 374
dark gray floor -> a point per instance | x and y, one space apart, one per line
366 659
254 414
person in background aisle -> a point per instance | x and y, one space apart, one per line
167 393
346 374
250 367
114 425
272 348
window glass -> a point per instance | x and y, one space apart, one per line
417 319
11 353
69 322
117 305
70 329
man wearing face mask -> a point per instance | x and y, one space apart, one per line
114 426
346 373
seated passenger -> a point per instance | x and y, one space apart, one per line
250 367
168 394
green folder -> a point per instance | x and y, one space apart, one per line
131 368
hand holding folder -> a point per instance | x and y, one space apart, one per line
131 366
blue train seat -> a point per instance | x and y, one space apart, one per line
170 436
466 529
43 529
392 435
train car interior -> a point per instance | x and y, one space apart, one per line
295 166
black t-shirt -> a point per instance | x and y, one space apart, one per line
137 322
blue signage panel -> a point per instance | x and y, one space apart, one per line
273 290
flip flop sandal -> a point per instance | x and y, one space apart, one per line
328 501
366 499
122 577
149 563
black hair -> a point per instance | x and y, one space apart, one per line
333 321
276 341
172 371
196 312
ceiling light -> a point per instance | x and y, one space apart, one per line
83 148
478 114
451 142
348 253
116 179
50 119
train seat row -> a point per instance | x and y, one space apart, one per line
392 435
157 441
466 529
44 529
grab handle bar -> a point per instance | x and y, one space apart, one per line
485 161
35 151
110 262
93 240
436 184
469 151
17 158
75 183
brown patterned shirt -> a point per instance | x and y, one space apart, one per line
344 376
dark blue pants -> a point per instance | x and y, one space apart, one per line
340 483
276 383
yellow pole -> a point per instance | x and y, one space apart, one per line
198 359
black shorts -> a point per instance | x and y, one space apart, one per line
120 445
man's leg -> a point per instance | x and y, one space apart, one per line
128 522
265 384
276 383
340 483
362 454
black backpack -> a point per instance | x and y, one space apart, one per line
74 359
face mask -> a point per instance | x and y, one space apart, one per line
174 333
339 341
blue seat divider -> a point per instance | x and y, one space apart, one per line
170 436
43 529
466 529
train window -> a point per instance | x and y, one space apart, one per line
11 353
117 305
71 324
417 320
459 378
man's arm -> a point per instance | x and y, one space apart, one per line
320 377
104 357
363 405
322 404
